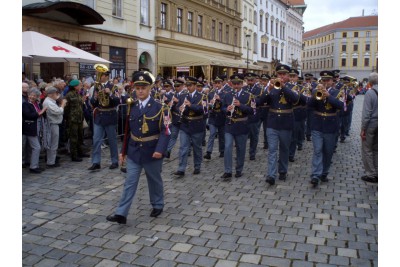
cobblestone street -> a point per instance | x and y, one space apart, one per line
206 222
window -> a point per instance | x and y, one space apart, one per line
355 47
272 27
366 62
344 47
200 26
344 34
163 16
220 32
261 22
227 34
144 12
282 53
276 29
276 52
250 20
116 8
235 37
354 62
355 34
266 24
368 33
235 5
367 47
255 48
255 17
190 24
272 51
179 20
245 13
262 49
213 30
283 34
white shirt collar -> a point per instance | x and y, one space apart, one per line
144 102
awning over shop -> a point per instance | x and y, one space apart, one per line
175 58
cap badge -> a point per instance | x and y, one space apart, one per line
141 78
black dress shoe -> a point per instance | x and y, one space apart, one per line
238 174
26 165
116 218
282 176
270 180
265 146
308 138
252 157
300 148
370 179
179 173
95 166
207 156
221 155
156 212
314 181
36 170
123 169
53 165
226 175
197 171
113 166
76 159
84 155
342 140
291 159
167 154
203 143
324 178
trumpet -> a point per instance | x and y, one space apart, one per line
319 94
278 84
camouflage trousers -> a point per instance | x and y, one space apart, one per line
75 133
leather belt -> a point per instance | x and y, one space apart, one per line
264 106
296 107
145 139
194 118
106 109
324 114
239 119
287 111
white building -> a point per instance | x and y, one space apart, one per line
295 32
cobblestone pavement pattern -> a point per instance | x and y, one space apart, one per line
206 222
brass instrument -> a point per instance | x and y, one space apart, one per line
104 98
319 94
277 84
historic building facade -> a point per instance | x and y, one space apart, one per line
350 46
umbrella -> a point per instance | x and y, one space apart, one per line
44 49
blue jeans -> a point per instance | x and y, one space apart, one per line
308 122
185 141
174 136
221 141
297 137
282 139
154 181
98 136
324 145
264 125
254 132
240 141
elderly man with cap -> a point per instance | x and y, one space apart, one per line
174 127
280 123
54 117
147 144
192 127
265 84
324 127
300 114
254 120
105 122
237 108
216 118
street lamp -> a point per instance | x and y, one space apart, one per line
247 61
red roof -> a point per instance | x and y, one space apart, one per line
296 2
353 22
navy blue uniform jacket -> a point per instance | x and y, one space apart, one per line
142 152
215 115
243 111
192 120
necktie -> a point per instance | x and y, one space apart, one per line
237 95
141 106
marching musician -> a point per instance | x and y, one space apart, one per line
225 84
310 84
265 84
174 127
300 114
192 127
105 121
254 121
324 126
216 118
149 136
280 124
200 89
344 114
237 108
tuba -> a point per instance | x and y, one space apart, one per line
104 98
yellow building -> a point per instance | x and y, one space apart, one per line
350 46
199 38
